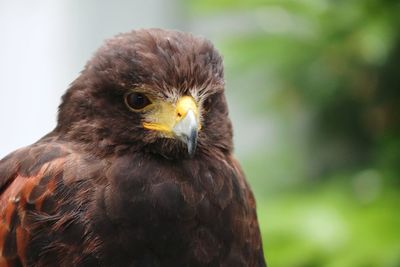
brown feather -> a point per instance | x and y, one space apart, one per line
102 191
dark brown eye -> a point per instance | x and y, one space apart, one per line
210 101
136 101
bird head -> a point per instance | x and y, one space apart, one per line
152 90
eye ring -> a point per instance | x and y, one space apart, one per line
136 101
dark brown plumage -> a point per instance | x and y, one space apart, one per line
139 170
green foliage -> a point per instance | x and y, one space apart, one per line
331 226
313 87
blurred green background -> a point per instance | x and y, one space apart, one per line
314 92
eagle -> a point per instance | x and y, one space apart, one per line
139 170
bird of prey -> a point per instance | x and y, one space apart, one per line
139 169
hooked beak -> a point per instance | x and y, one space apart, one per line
186 130
180 121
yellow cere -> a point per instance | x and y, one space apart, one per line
165 115
183 105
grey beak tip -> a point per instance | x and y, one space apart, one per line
187 130
192 143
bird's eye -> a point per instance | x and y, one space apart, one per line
136 101
210 100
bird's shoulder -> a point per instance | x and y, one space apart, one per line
46 155
41 187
